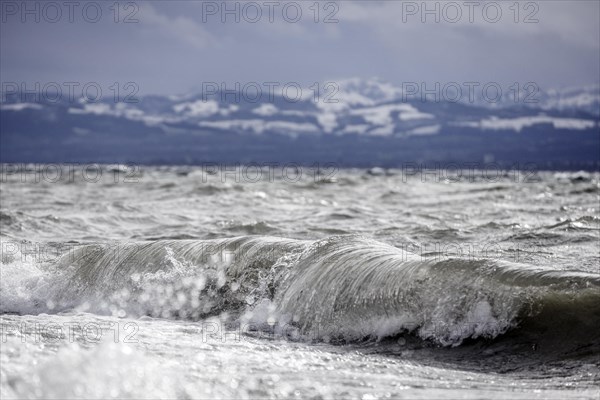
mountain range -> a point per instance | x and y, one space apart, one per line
357 123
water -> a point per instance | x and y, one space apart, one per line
181 282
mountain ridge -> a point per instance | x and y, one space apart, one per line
367 126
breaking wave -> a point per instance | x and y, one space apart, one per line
344 288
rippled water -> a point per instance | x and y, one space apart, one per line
181 282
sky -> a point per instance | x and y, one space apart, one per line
173 47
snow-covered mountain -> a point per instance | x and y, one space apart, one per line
349 112
586 98
527 94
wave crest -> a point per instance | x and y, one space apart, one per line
343 287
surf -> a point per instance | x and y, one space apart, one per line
341 288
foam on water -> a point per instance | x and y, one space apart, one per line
107 371
340 288
428 288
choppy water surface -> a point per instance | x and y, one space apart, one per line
208 282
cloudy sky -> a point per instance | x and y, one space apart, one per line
173 47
